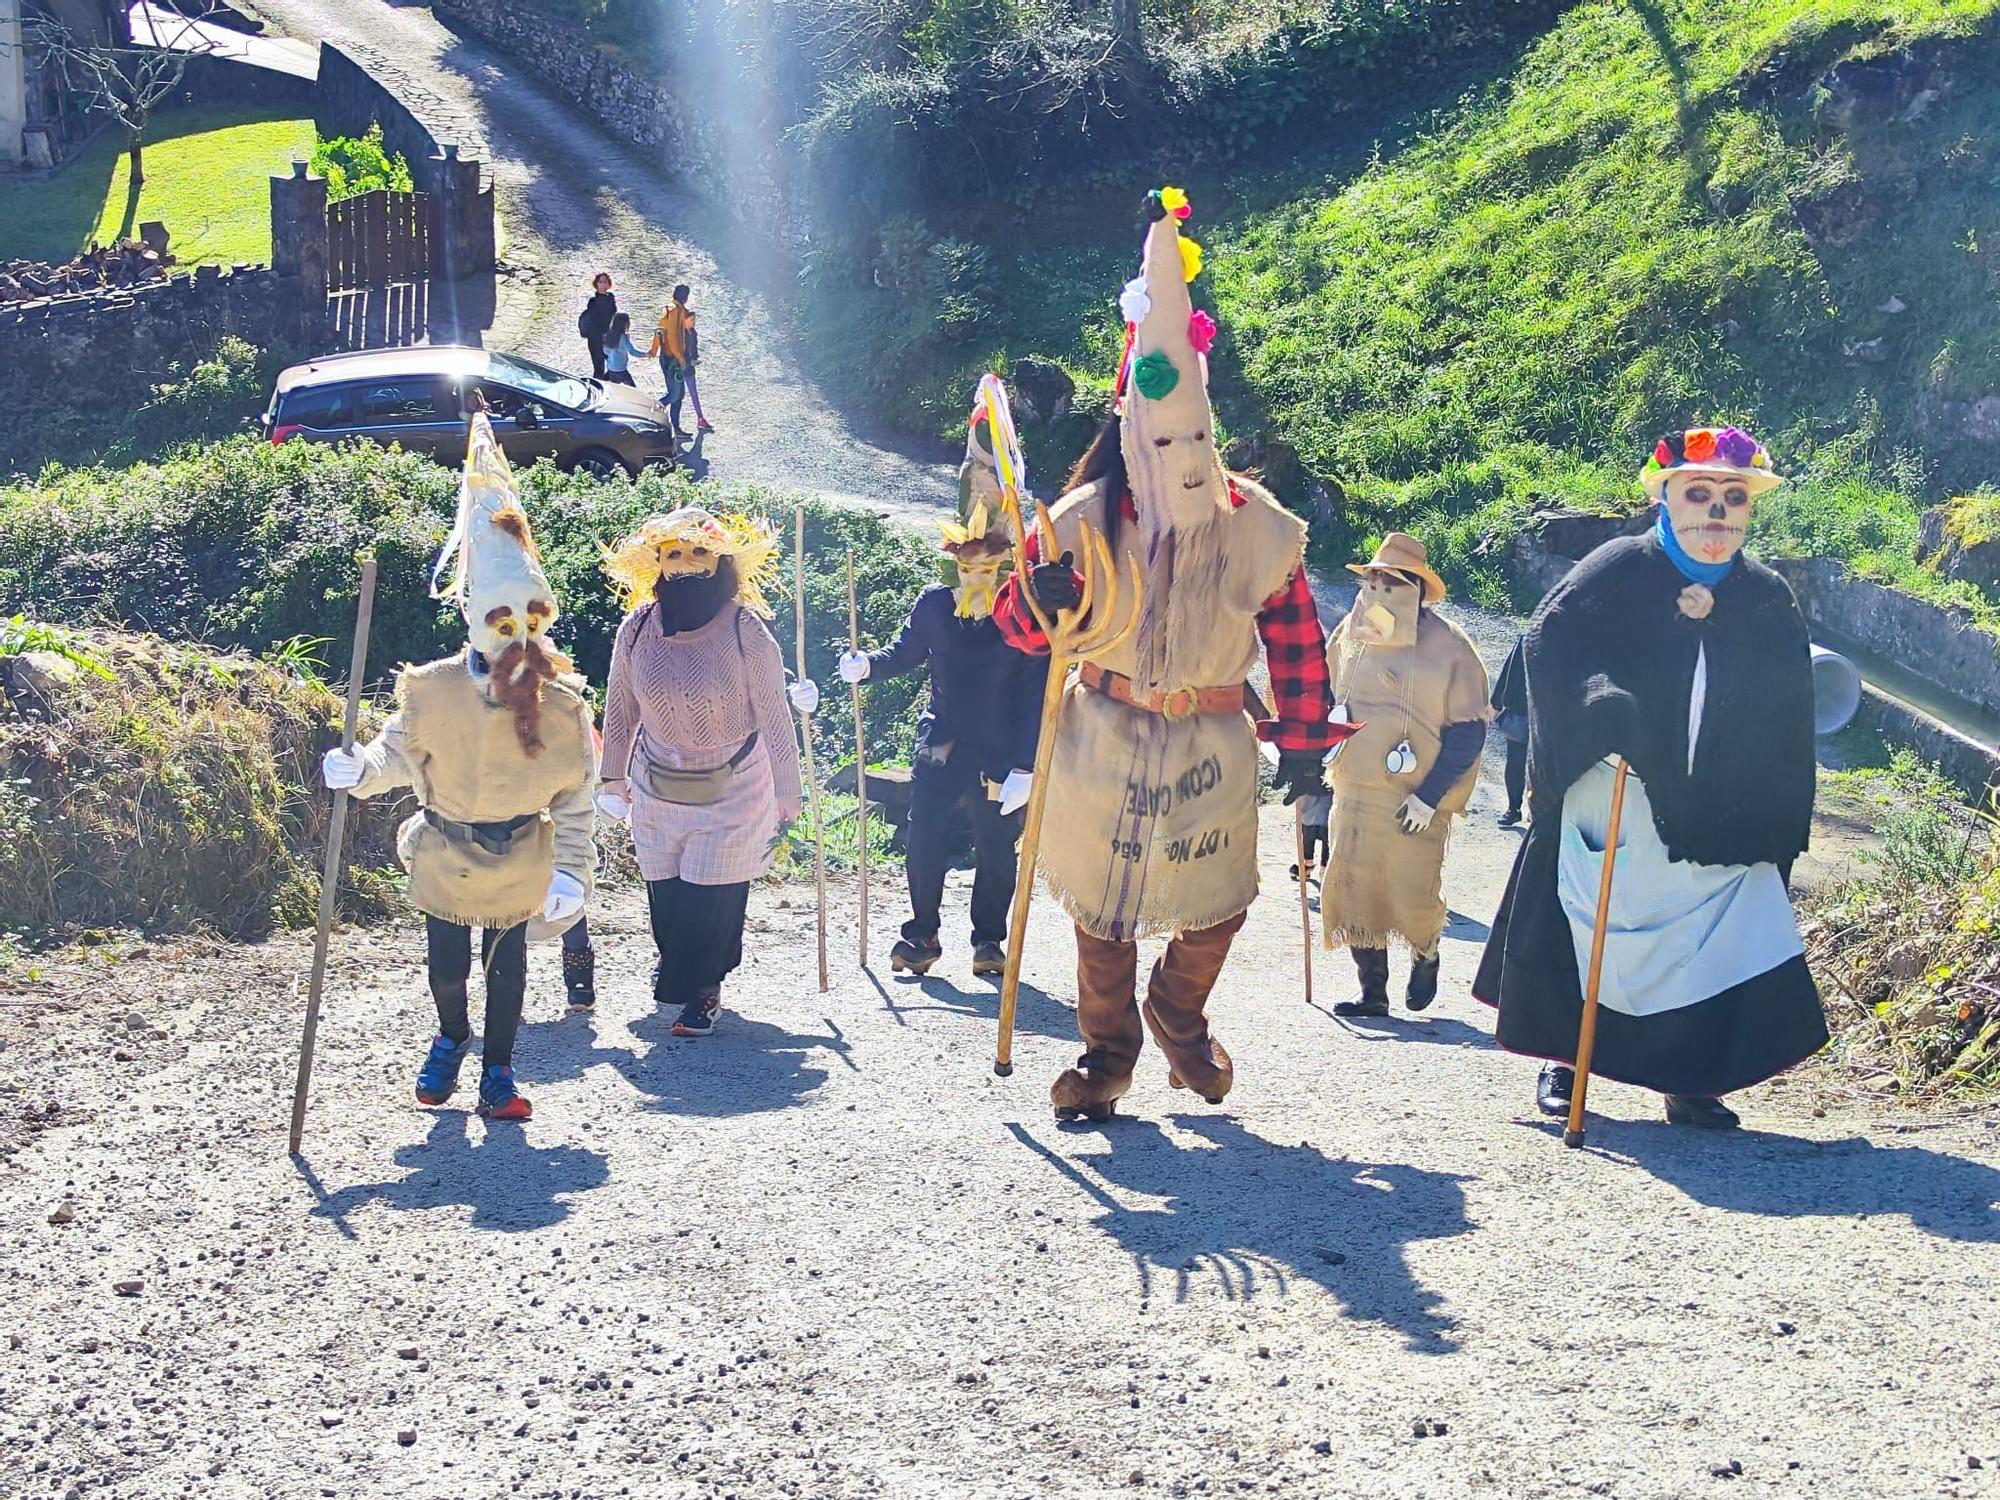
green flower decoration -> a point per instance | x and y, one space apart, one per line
1155 376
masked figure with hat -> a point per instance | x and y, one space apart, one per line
1151 813
1412 688
496 742
699 748
976 741
1680 655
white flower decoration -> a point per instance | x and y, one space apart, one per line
1134 302
1696 601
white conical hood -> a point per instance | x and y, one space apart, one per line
1169 431
499 585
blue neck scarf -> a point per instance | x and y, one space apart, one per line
1707 574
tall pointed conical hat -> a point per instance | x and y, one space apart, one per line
1166 382
498 566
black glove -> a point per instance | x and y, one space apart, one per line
1055 584
1301 773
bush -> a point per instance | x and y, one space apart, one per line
355 165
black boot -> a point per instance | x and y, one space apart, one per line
1699 1113
1423 982
580 978
912 957
1555 1088
1373 966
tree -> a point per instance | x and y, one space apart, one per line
129 68
1128 38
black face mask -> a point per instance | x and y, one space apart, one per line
692 600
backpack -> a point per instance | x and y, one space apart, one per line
583 323
691 342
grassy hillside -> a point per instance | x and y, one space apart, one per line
1781 213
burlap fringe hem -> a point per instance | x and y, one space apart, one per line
1355 937
1168 927
497 924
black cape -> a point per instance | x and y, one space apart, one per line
1610 666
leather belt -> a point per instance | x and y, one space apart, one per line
494 838
1179 703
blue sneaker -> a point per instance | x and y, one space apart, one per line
439 1075
498 1099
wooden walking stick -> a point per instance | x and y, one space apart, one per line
1305 906
860 754
806 735
1586 1040
1073 634
329 884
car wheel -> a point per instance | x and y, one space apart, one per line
599 463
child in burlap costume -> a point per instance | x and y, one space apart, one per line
496 742
1151 815
1415 691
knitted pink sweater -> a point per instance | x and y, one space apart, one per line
695 698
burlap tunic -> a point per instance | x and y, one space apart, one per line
1382 882
1151 823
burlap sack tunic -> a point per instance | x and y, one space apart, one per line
1383 882
1151 823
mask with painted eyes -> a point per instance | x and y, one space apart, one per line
1709 514
1385 610
688 557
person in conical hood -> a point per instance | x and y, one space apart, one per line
700 752
1150 823
1677 654
496 742
1413 691
975 742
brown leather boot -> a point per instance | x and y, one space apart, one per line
1091 1089
1176 1010
1107 975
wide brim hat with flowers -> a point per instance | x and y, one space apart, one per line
1725 453
635 564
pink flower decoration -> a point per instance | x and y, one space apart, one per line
1201 331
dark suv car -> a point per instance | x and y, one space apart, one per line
416 397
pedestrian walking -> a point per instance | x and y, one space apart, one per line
620 351
1510 717
593 324
670 344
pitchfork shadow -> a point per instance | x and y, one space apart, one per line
1258 1216
508 1184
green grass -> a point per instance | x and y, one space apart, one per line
207 172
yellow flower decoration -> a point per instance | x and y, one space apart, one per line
1173 199
1190 258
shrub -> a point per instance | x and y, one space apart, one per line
355 165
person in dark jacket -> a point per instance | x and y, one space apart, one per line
976 742
1510 717
594 322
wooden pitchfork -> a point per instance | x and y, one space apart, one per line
1074 635
811 777
1586 1040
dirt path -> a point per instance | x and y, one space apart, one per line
574 202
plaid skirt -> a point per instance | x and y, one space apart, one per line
716 843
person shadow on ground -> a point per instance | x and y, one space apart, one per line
1036 1013
508 1184
1259 1217
1770 1175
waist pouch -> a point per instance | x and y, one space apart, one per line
693 788
494 838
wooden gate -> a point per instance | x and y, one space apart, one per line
378 238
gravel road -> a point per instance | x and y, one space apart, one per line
573 202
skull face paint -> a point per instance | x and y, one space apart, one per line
1385 609
1709 514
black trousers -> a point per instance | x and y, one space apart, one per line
596 346
936 792
699 932
576 936
504 956
1517 773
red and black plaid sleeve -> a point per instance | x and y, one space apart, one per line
1018 627
1295 647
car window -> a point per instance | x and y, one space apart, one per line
426 398
541 383
321 406
503 403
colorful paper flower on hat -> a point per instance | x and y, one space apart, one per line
1190 258
1737 447
1133 300
1699 445
1175 201
1155 375
1201 331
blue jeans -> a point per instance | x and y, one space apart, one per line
676 379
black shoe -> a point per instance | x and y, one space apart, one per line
1511 818
580 979
1372 964
989 958
1423 982
909 956
698 1016
1700 1114
1554 1089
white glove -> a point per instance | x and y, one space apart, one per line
1014 791
804 695
341 769
565 898
614 805
852 666
1415 814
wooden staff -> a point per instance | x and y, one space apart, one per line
1073 634
860 753
1586 1040
805 725
1305 906
329 884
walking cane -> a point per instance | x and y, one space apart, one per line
806 735
1305 906
1073 634
329 884
1586 1040
860 754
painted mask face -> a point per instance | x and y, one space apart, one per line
1709 514
688 557
1385 609
978 584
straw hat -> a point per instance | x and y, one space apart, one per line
693 540
1726 453
1402 553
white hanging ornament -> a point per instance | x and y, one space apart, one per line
1134 301
1402 760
